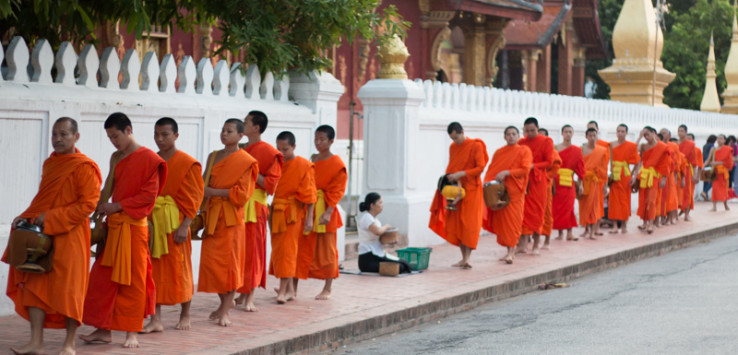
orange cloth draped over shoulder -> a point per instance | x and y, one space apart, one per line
507 222
572 163
623 156
548 215
317 254
688 148
604 144
172 272
67 195
462 227
655 165
535 201
224 247
669 198
270 166
720 184
296 190
595 167
122 291
700 164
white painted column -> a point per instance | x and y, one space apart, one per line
318 91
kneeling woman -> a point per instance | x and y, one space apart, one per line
370 248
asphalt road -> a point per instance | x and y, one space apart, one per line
684 302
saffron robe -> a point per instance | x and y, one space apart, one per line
595 167
296 190
669 198
604 144
223 250
688 148
67 195
462 227
535 201
701 165
317 255
172 272
623 156
122 291
720 184
506 223
548 215
563 199
656 158
270 162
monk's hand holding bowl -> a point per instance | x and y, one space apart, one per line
502 175
39 221
456 176
17 220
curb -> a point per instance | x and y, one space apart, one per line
329 340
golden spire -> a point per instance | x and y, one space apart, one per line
710 100
730 95
392 56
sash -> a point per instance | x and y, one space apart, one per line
118 246
590 177
721 169
217 204
620 168
284 212
165 218
249 210
566 177
647 176
319 210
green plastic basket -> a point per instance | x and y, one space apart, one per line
417 257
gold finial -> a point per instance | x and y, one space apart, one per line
392 56
710 99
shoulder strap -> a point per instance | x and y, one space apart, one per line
208 171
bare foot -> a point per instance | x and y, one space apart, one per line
727 208
224 321
521 251
131 340
183 324
30 349
572 238
466 266
545 246
154 326
250 307
326 295
535 251
67 350
713 209
624 231
508 259
240 299
613 231
214 314
458 264
281 299
98 336
599 234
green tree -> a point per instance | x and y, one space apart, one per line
608 11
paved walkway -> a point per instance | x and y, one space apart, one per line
363 307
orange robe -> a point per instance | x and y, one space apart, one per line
700 164
67 195
296 190
172 272
656 158
223 250
535 201
669 198
720 184
270 166
688 148
619 199
548 216
604 144
122 291
462 227
595 167
563 198
506 223
317 254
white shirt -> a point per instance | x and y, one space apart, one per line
368 241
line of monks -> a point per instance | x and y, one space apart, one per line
543 181
145 261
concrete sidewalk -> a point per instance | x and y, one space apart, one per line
363 307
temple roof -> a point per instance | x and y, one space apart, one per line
529 10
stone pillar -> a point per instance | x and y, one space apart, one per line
532 67
577 72
565 64
544 71
475 71
318 91
730 95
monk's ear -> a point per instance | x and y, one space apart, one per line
176 135
129 130
76 137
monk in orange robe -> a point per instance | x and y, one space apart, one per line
680 176
572 162
669 198
231 184
175 208
292 214
256 210
67 195
691 177
624 154
535 201
721 159
317 255
698 169
604 144
595 167
461 227
122 292
651 173
548 216
510 165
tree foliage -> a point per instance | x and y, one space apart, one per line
275 34
608 11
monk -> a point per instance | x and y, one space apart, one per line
548 216
669 198
698 168
175 208
650 173
535 200
691 178
270 169
231 184
595 167
721 160
69 190
317 255
680 176
461 227
510 165
572 162
292 214
624 154
122 292
605 144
